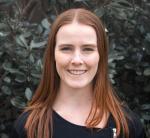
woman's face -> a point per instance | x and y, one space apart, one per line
76 55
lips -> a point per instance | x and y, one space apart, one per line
77 72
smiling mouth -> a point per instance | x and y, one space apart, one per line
77 72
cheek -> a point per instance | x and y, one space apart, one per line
93 61
61 60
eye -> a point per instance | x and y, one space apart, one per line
65 48
88 49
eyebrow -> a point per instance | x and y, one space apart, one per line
84 45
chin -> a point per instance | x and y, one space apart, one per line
78 85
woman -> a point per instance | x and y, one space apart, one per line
75 98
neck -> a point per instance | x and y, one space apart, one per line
73 99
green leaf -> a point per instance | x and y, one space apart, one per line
147 37
35 81
6 90
100 11
112 71
26 34
3 26
138 72
21 41
111 76
40 29
46 33
18 102
20 78
4 34
112 64
23 53
7 67
45 23
141 28
129 66
38 76
145 107
115 4
146 72
124 2
119 14
146 117
121 3
7 79
112 81
28 94
38 45
31 58
114 56
39 65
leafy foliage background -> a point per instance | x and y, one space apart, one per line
24 38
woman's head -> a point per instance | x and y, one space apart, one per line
78 18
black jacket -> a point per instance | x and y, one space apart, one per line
65 129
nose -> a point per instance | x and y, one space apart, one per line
77 58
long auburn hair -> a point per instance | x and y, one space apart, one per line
39 123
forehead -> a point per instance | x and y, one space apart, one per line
76 32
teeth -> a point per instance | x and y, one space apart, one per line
77 72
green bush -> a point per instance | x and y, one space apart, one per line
22 44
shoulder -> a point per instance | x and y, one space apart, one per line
18 129
136 128
21 120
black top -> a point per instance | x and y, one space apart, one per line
65 129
